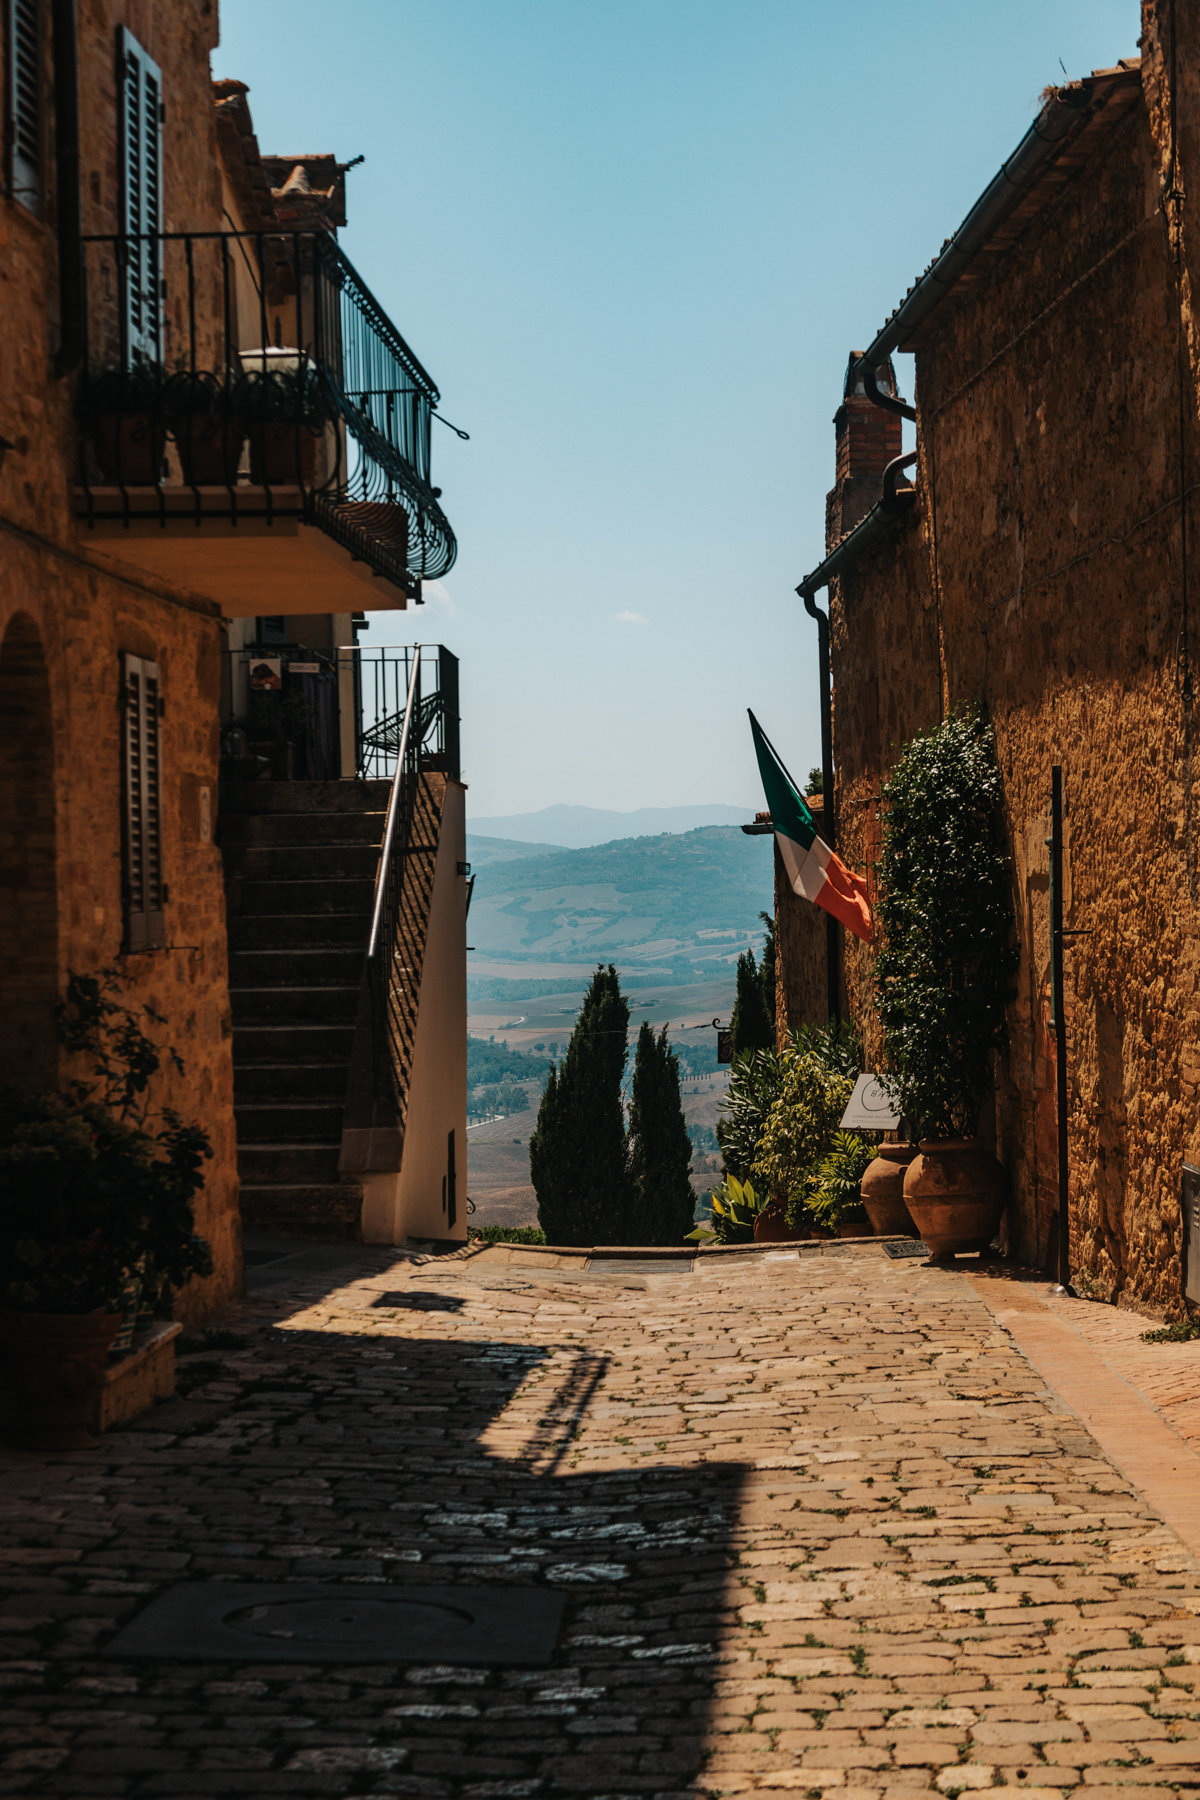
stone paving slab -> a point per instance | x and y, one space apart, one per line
820 1524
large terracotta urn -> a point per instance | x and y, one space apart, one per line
55 1364
956 1193
883 1191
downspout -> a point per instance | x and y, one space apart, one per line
67 193
890 503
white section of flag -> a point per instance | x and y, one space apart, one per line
805 868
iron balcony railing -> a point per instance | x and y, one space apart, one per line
289 711
257 372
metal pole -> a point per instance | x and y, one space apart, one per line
1060 1018
828 823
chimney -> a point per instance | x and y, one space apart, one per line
867 440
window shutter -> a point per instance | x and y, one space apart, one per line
25 102
141 102
142 797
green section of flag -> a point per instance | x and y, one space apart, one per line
789 815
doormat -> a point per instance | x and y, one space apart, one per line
245 1621
910 1247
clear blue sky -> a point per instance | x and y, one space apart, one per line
634 242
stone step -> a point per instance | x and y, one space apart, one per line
330 1210
239 829
325 894
293 1005
300 967
311 1165
299 862
305 796
289 1122
312 1084
298 1045
299 931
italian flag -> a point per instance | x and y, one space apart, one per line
812 867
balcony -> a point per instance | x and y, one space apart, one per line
253 426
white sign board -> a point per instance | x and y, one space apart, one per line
869 1108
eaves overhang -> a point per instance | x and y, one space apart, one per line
1061 139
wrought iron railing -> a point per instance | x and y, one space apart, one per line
263 378
284 706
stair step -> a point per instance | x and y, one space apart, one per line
301 862
313 1084
294 1044
299 931
305 796
306 968
288 1122
293 1005
312 1209
263 830
319 894
310 1164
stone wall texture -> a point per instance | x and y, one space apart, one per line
64 611
1041 573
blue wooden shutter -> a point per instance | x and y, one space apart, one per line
141 102
25 103
141 756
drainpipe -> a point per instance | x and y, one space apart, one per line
66 198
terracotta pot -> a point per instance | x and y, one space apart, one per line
771 1226
956 1193
883 1191
55 1369
210 448
129 447
855 1228
274 461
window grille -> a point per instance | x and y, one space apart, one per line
141 744
142 111
25 103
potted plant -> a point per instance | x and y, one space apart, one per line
123 411
836 1200
286 409
95 1182
736 1213
945 971
208 430
798 1133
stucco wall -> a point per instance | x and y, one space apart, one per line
86 616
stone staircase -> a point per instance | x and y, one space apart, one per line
300 861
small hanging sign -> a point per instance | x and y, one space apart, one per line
299 668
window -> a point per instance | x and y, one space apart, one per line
272 629
141 755
25 103
140 90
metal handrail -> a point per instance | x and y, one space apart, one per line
394 801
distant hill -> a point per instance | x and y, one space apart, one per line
685 901
485 850
578 827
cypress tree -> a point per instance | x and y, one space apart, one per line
660 1151
751 1027
577 1152
766 972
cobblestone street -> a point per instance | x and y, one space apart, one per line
820 1522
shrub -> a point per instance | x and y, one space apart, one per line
945 968
507 1234
836 1194
735 1207
798 1131
754 1083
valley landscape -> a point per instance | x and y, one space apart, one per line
673 910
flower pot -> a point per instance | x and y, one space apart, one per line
883 1191
771 1226
210 448
855 1228
277 459
956 1193
55 1369
129 447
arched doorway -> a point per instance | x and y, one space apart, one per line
28 876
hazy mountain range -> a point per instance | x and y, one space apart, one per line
577 827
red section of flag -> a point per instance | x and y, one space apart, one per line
845 896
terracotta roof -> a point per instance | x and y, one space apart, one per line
240 155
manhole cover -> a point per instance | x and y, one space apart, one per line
910 1247
241 1621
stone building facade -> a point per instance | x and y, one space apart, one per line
1040 566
